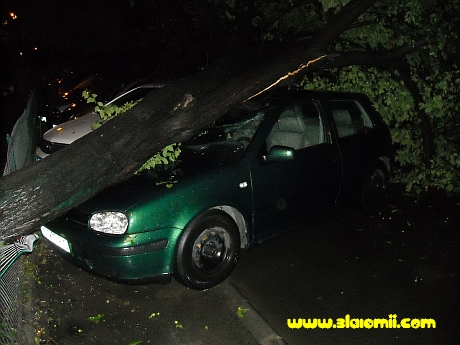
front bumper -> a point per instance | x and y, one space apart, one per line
147 256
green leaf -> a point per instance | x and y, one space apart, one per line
96 319
135 342
95 125
241 312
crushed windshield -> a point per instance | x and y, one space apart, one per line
226 141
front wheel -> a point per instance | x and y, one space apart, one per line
207 251
375 189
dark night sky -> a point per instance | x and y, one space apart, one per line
163 39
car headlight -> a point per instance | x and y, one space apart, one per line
114 223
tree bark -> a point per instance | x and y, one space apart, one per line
39 193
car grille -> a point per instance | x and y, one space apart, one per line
49 147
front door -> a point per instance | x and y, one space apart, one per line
309 183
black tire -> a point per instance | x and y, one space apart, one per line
207 251
375 189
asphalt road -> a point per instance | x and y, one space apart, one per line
402 261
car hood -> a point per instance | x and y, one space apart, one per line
123 196
72 130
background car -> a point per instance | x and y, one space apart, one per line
61 96
83 117
249 177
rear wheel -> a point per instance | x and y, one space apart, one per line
207 251
375 189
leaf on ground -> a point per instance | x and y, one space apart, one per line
135 342
153 315
241 311
96 319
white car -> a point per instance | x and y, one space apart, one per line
60 136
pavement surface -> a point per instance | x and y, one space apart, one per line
401 261
74 307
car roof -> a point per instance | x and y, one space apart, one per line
290 94
133 86
286 95
132 90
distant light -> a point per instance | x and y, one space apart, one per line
13 16
35 48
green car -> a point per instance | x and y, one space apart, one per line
286 156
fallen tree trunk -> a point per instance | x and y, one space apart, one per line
41 192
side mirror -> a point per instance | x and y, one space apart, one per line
280 153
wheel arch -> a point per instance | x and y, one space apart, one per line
373 194
240 222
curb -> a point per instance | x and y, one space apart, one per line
252 320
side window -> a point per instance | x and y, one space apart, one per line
298 126
350 117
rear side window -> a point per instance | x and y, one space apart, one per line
349 116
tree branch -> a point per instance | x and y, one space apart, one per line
341 21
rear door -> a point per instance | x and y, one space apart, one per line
356 140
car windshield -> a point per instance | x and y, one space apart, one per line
226 140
